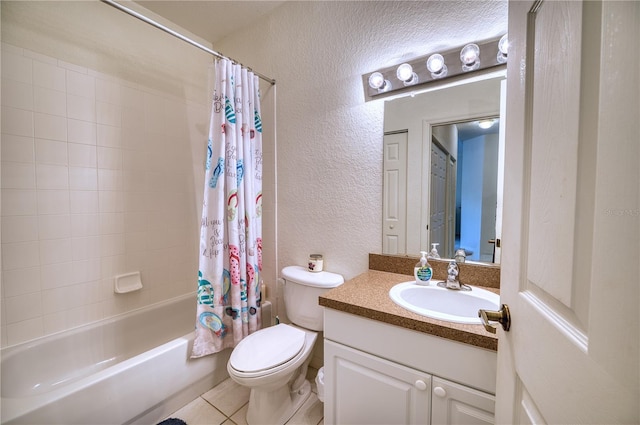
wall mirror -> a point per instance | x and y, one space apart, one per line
443 172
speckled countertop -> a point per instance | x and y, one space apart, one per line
367 295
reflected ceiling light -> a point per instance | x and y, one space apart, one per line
485 124
377 82
406 75
470 57
437 67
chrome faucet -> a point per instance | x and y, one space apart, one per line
452 276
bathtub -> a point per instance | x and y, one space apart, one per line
133 368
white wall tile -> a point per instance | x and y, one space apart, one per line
39 57
135 242
17 122
23 307
110 158
85 248
85 270
108 114
111 201
131 117
55 275
19 202
82 178
110 179
21 281
83 201
109 136
24 331
81 84
49 76
82 155
85 225
17 148
49 101
22 228
18 175
111 223
54 226
51 152
51 176
82 132
112 266
17 94
53 201
109 91
50 127
16 67
133 98
81 108
20 255
111 245
54 251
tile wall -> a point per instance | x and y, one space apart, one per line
92 168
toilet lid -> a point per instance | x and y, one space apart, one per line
267 348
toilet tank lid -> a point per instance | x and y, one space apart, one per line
318 279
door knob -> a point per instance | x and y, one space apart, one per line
501 316
421 385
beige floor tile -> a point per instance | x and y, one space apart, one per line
199 412
310 413
240 417
228 397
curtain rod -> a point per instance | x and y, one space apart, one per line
180 36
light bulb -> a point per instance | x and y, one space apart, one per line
503 45
503 49
470 57
376 80
436 65
406 75
404 72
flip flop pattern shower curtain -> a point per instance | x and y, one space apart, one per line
230 264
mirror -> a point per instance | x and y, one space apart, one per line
421 152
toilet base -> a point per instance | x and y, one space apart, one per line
276 407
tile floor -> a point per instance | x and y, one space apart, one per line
227 404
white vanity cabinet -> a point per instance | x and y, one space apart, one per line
376 373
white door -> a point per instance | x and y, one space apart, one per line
438 205
394 201
571 215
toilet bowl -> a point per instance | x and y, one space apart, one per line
273 361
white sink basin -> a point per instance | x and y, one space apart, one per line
444 304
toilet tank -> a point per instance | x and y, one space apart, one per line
301 291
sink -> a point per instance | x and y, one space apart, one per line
444 304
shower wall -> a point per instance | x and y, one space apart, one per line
104 126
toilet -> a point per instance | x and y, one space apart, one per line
273 361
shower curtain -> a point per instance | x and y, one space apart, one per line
230 263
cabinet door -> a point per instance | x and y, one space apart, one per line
456 404
365 389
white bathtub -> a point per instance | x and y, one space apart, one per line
133 368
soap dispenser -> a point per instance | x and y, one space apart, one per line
434 251
423 271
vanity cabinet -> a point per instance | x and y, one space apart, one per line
376 373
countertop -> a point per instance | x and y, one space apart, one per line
367 295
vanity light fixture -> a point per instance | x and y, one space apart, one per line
437 67
470 57
414 74
406 75
503 49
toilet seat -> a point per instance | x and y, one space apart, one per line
276 345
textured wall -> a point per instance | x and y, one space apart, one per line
329 141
